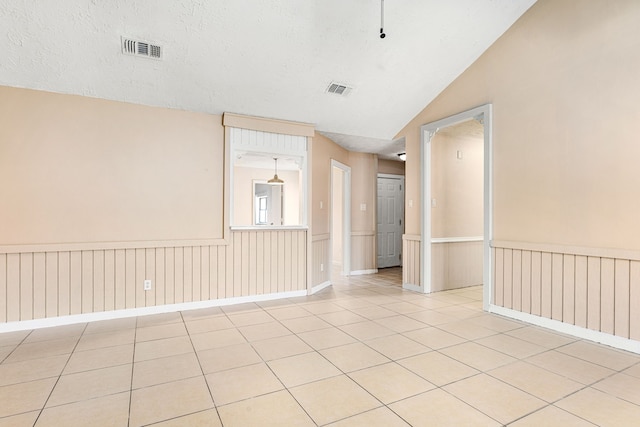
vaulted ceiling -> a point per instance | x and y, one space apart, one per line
271 58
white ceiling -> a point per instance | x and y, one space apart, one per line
264 58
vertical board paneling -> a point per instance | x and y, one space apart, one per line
634 298
187 271
516 280
499 277
222 271
622 298
280 262
26 286
581 300
593 289
39 285
3 287
557 271
526 282
38 278
51 281
247 255
213 272
229 268
196 259
569 289
76 282
130 278
159 277
120 279
98 281
292 255
205 273
140 267
546 282
87 281
170 276
266 261
607 295
13 287
64 283
260 263
256 262
273 259
536 283
507 278
302 262
150 274
109 280
178 276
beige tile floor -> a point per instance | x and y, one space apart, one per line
362 353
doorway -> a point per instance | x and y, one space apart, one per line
340 220
390 219
431 228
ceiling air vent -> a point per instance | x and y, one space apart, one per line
141 48
338 89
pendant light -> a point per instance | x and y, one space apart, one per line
382 34
275 179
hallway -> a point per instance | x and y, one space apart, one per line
361 353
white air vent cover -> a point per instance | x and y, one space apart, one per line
339 89
141 48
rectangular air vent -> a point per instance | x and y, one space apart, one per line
338 89
141 48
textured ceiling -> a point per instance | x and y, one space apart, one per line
263 58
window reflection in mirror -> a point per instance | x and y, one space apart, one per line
268 202
259 203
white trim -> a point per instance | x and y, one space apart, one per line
361 272
632 255
391 176
414 288
456 239
142 311
346 216
321 286
268 227
427 132
566 328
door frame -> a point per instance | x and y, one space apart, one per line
427 132
402 182
346 219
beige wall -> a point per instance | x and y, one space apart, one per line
563 84
98 196
323 151
75 169
456 185
393 167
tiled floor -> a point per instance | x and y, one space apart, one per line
362 353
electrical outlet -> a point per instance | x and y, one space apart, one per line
147 285
321 267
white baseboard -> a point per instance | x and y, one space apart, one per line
361 272
565 328
412 287
142 311
321 286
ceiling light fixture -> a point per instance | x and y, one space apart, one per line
275 179
403 156
382 34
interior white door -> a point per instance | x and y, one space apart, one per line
390 218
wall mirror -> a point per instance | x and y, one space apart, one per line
266 190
